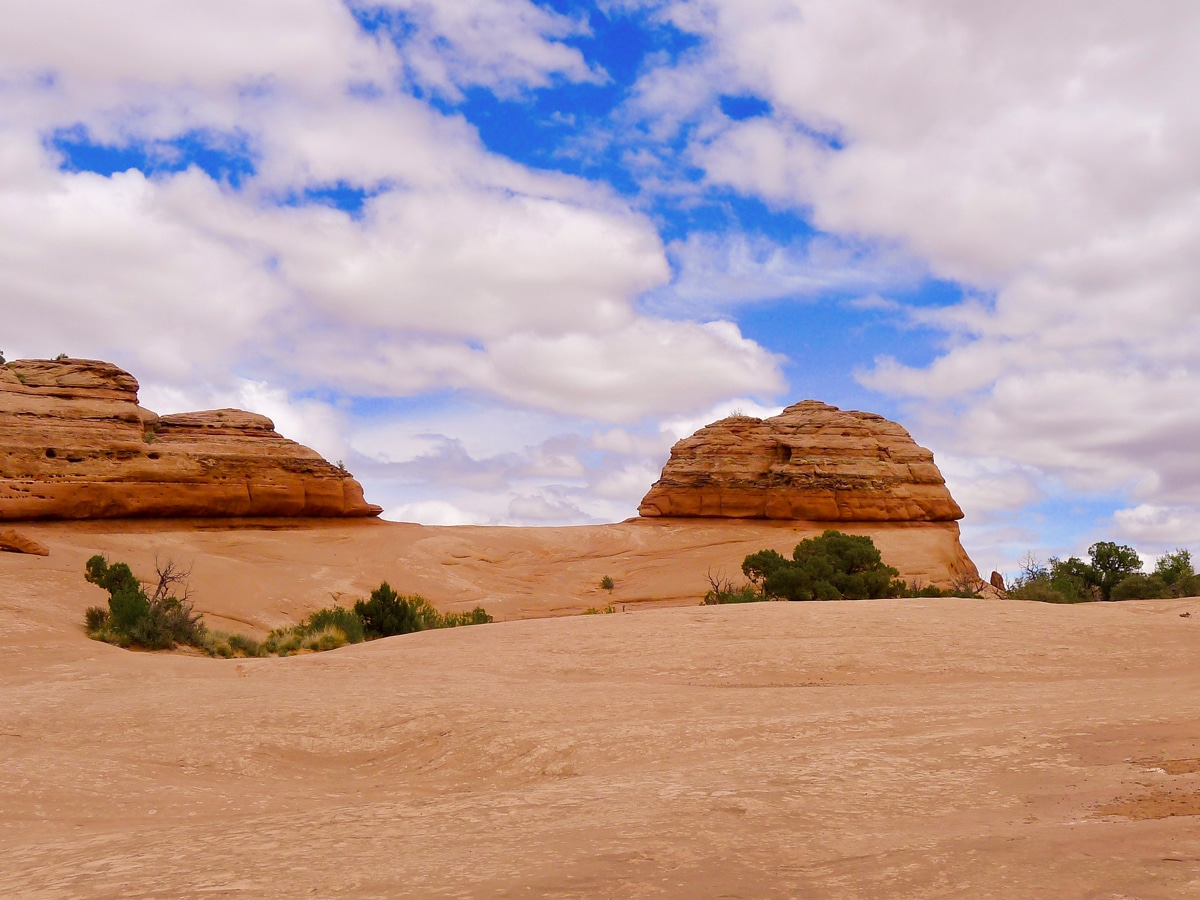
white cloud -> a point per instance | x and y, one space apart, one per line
1041 154
1162 527
431 512
506 45
716 271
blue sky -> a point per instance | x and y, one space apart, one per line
498 255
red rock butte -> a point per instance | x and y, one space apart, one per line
75 444
812 462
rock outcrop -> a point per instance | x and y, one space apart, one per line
812 462
15 542
75 444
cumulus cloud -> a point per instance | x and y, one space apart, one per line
722 271
1162 528
1041 155
463 271
506 45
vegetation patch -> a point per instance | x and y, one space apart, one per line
833 566
155 621
1113 572
600 610
161 620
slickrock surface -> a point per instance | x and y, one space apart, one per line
15 542
811 462
74 444
881 749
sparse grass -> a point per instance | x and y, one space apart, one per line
162 620
600 610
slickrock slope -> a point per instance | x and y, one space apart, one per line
811 462
74 444
930 748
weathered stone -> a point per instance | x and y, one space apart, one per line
15 542
812 462
74 444
997 581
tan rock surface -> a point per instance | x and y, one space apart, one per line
914 748
812 462
15 542
75 444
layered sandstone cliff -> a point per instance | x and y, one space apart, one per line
815 466
811 462
75 444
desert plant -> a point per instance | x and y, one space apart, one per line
239 643
61 357
155 622
834 566
1111 564
1140 587
600 610
387 613
477 616
721 590
347 621
606 583
1039 590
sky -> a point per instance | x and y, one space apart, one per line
498 255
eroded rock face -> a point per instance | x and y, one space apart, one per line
15 542
812 462
74 444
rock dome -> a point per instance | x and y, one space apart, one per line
812 462
74 444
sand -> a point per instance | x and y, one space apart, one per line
910 748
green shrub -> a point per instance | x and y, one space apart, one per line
95 618
387 613
722 590
157 622
347 621
834 566
1140 587
240 644
1040 590
606 583
477 616
1188 586
328 638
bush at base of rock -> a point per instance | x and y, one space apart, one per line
133 619
834 566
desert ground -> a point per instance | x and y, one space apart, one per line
907 748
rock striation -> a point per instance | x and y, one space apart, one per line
812 462
75 444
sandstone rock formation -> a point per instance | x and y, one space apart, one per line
74 444
811 462
15 542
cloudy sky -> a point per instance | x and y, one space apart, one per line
498 255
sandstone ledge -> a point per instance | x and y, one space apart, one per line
76 445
